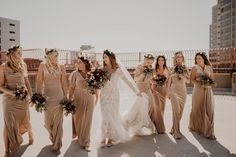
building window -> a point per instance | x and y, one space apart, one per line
12 32
11 24
226 2
12 39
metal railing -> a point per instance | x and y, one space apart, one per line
223 59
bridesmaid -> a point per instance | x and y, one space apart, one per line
15 111
177 94
52 77
159 95
142 79
84 101
202 114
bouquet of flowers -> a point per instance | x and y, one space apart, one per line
159 79
39 101
21 92
97 79
180 70
68 106
147 70
205 81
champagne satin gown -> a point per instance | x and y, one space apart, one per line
54 113
15 111
202 113
84 102
159 102
178 95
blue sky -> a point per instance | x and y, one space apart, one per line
121 25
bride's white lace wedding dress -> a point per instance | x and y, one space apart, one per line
113 126
112 123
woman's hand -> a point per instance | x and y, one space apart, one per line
11 93
138 93
168 94
96 101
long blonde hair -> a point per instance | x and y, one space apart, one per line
175 56
48 57
17 65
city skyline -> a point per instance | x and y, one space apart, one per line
123 26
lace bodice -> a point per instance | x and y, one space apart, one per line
112 85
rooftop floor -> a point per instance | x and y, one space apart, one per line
191 144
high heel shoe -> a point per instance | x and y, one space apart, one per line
56 152
87 148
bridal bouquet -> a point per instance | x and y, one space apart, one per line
68 106
39 101
21 92
205 81
159 80
180 70
97 79
147 70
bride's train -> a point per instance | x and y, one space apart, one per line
137 120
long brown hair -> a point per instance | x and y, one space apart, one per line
86 63
112 58
157 65
204 56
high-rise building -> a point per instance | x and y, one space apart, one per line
223 34
9 33
223 27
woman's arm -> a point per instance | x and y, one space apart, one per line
193 76
39 80
63 80
212 74
28 86
27 83
2 83
72 85
138 74
97 94
168 84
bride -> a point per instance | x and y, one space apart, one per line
113 128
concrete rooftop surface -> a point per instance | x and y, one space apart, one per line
191 145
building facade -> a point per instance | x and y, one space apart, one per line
223 34
9 33
223 27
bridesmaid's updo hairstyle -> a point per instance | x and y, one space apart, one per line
164 58
204 56
86 62
13 62
112 58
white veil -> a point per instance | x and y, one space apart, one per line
138 116
127 74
